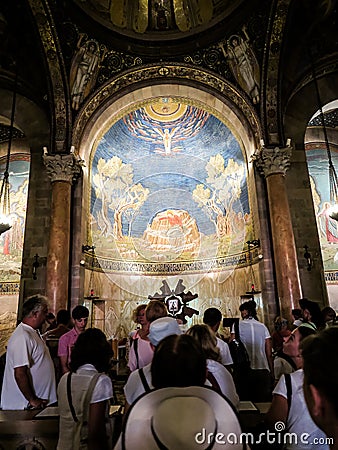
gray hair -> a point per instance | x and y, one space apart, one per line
33 304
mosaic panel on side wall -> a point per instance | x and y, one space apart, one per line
320 184
11 246
168 185
11 242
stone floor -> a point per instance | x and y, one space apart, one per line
119 398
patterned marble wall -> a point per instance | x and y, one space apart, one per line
221 290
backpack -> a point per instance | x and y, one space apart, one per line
239 354
288 389
144 380
75 423
134 344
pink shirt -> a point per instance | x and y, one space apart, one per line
144 350
66 343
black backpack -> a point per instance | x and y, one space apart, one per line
238 351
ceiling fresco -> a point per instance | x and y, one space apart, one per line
168 184
156 16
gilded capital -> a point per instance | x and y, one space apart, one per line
271 161
62 167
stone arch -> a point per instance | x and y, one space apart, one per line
29 118
60 114
130 90
204 88
303 103
183 81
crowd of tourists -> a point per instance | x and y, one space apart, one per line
184 386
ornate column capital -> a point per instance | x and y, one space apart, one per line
271 161
62 167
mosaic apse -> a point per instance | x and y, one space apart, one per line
168 191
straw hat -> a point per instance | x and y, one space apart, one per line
189 418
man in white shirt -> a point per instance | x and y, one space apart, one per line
29 378
213 318
257 384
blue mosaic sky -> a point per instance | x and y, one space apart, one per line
170 178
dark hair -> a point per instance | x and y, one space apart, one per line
233 39
33 304
249 306
178 362
297 313
79 312
91 347
314 310
305 331
212 316
329 311
321 363
156 309
279 322
63 317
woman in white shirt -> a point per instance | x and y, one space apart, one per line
84 394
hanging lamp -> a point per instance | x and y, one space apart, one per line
251 245
86 249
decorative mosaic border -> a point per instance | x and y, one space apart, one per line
99 264
272 114
9 287
331 277
164 73
58 78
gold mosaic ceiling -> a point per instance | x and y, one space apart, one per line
158 19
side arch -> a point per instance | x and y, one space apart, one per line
303 103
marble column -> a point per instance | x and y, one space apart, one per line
63 170
273 163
